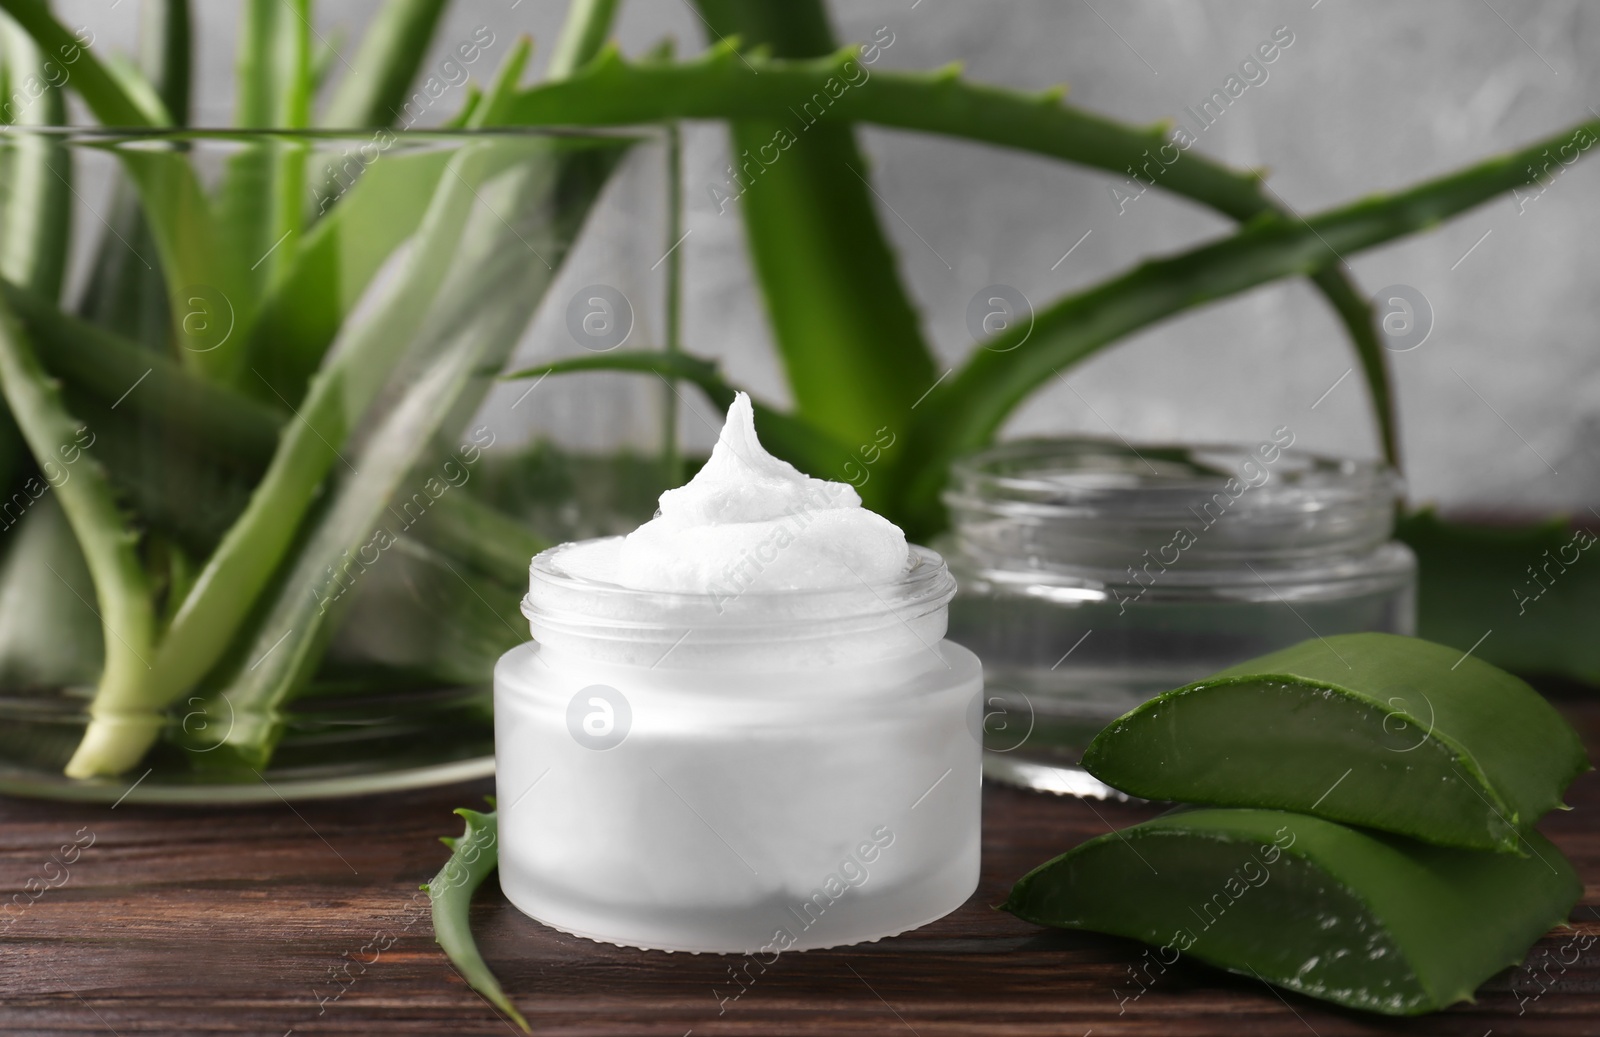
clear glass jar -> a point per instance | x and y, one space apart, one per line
1094 575
764 773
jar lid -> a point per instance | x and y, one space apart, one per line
1076 503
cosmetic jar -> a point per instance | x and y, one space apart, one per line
1094 575
754 772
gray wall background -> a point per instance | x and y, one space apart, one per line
1500 406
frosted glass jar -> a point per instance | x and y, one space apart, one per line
756 773
1094 575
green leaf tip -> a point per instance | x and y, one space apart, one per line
474 855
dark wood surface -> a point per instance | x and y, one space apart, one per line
257 920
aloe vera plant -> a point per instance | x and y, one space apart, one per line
201 564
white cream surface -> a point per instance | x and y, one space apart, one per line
748 521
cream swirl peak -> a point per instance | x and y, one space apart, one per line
748 521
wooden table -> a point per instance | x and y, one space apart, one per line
274 919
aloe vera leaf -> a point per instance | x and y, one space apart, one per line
724 85
468 105
165 54
138 86
121 727
260 203
845 328
107 97
183 451
1521 597
370 218
1389 732
788 436
583 35
124 291
381 73
272 65
338 396
965 410
227 589
178 212
50 636
159 391
490 289
498 290
1366 920
472 857
37 205
35 212
335 263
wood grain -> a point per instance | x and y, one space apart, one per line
264 921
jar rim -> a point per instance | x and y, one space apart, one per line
558 598
1092 502
1060 473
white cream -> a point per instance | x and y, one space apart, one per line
684 766
749 521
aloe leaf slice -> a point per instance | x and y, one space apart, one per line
1361 919
1389 732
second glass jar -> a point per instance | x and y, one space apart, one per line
1094 575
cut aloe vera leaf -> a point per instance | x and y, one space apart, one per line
1362 919
1389 732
